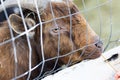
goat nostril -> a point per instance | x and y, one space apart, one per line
99 44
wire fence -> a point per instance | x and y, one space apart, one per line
38 38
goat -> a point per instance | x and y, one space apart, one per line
83 44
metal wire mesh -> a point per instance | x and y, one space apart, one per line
41 25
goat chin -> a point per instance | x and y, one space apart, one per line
97 69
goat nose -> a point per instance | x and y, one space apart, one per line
99 44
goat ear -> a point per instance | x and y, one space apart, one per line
16 23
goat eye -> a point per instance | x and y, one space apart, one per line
56 30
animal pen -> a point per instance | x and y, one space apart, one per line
41 37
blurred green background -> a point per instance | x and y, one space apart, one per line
103 16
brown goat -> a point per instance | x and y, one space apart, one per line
83 44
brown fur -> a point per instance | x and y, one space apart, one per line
7 61
82 35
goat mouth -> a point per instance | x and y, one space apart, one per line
93 54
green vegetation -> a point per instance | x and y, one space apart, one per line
102 14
